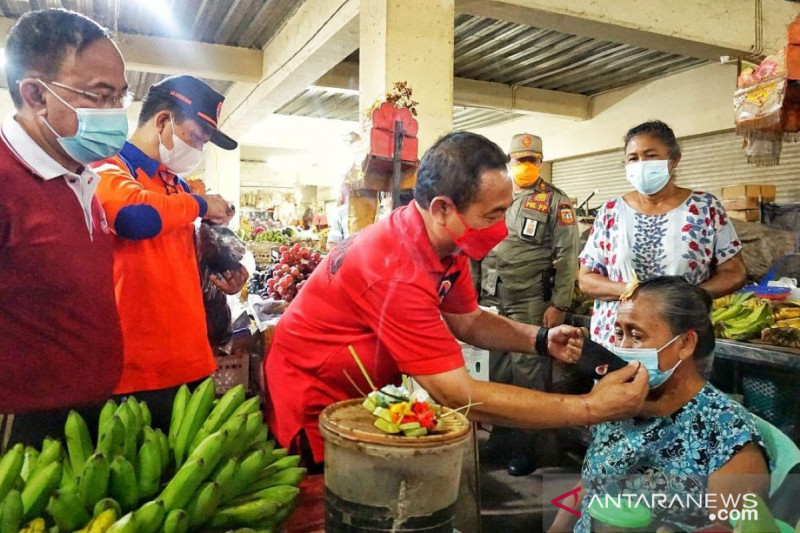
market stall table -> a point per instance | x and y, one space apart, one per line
767 376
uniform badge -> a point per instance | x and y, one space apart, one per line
566 215
529 227
540 202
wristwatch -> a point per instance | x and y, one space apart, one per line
541 341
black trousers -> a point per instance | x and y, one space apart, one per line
32 428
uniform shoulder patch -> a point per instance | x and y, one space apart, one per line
539 201
566 215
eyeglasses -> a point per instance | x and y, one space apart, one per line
103 100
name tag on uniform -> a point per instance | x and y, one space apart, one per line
539 202
529 227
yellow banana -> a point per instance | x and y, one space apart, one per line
102 522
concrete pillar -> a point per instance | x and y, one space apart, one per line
223 175
410 40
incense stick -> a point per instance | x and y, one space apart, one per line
353 383
361 367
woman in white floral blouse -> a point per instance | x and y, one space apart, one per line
657 229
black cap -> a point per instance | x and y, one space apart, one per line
200 101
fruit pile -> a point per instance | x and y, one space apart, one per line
396 412
740 316
785 331
215 471
289 274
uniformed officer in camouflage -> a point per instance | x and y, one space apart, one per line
530 277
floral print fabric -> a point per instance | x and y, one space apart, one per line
668 455
687 241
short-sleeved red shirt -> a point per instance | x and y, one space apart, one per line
382 291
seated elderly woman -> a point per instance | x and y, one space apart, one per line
691 438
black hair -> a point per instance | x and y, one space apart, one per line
683 307
453 166
661 131
155 102
40 39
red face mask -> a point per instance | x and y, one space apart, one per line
477 243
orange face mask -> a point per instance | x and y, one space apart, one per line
525 174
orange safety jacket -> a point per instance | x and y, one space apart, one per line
151 214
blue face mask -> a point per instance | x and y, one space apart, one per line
648 177
648 357
101 133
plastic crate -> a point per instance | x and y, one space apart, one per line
770 395
232 370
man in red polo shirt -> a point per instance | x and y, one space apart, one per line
400 292
60 339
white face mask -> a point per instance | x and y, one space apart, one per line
183 158
648 177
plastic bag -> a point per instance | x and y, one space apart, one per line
218 250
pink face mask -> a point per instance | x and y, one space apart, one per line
477 243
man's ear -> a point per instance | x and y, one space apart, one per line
440 209
162 118
32 93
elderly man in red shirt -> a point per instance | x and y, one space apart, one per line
400 292
60 338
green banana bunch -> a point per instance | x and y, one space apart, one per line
225 476
177 521
39 488
282 494
229 402
66 508
128 419
149 468
244 514
10 469
111 438
197 410
122 483
106 413
93 482
150 516
183 485
288 476
29 464
750 325
79 442
202 506
211 450
147 416
178 411
51 453
12 512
